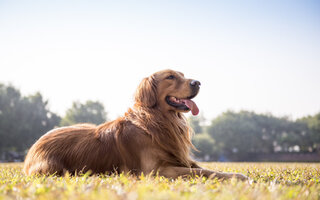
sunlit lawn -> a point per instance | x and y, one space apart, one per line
268 181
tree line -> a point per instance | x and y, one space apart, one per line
230 136
244 136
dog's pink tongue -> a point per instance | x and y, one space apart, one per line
192 106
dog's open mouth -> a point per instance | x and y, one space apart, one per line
183 104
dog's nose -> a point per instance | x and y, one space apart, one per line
194 83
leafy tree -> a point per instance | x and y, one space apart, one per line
196 123
242 134
313 124
89 112
204 144
23 119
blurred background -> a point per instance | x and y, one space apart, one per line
66 62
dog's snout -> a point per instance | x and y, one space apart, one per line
195 83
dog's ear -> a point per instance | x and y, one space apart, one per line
146 93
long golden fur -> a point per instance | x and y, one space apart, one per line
152 137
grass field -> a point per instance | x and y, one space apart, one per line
269 181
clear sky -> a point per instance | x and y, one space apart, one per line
262 56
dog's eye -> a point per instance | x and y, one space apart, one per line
171 77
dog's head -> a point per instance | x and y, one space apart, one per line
168 90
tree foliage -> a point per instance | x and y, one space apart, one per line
239 135
205 145
89 112
22 119
196 123
313 124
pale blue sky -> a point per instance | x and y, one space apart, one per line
262 56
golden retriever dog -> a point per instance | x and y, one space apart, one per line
151 137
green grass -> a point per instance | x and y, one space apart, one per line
269 181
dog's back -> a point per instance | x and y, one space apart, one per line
74 149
